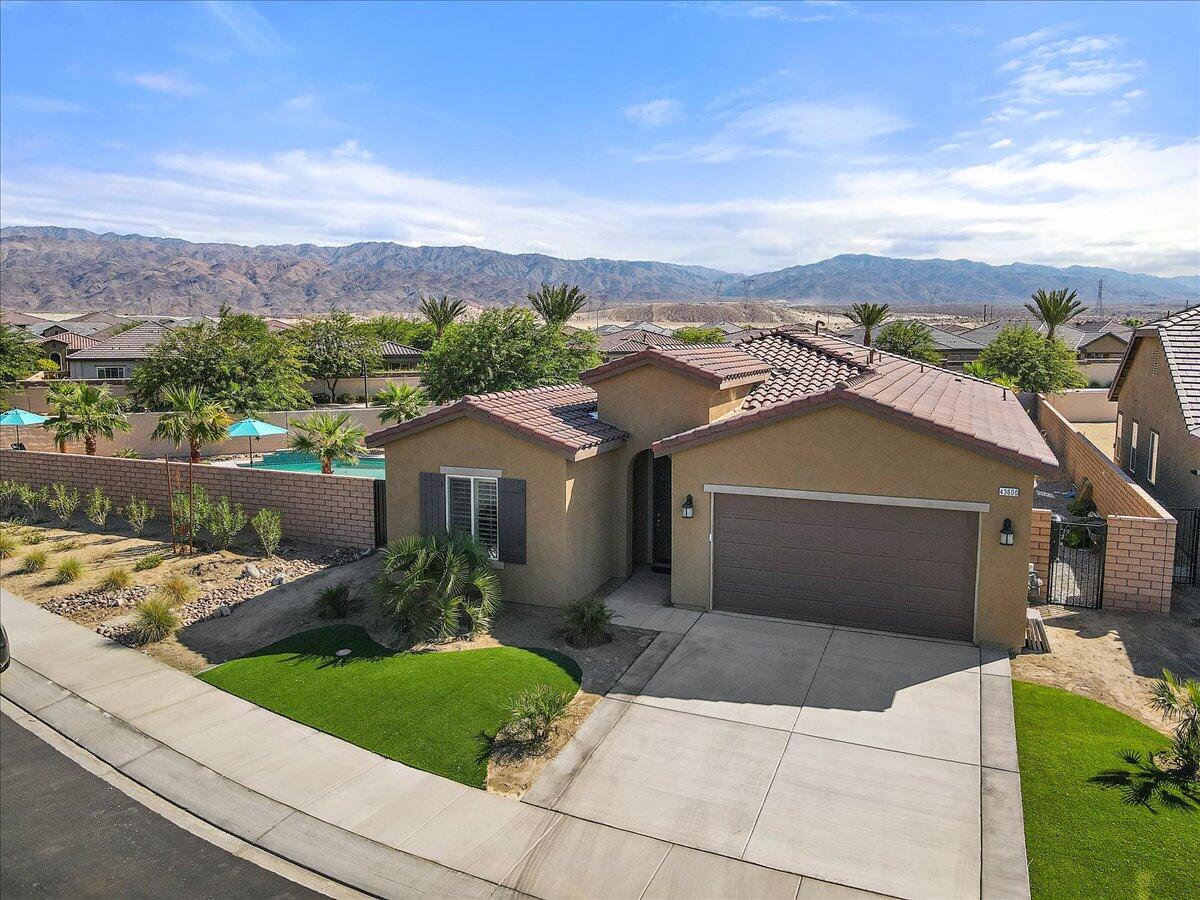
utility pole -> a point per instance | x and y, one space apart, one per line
1100 297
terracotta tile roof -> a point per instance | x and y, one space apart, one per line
562 418
16 318
721 365
1180 336
630 340
73 341
134 343
820 369
945 340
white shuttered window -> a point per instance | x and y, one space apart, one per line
472 507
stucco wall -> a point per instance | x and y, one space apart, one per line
327 509
1148 396
845 450
1087 405
566 555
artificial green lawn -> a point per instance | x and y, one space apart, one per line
1083 840
434 711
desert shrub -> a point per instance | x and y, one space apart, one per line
98 507
138 514
67 570
34 561
34 537
63 501
183 507
147 562
585 621
127 453
66 546
333 602
154 619
224 522
531 717
268 525
437 587
8 544
10 503
117 579
178 589
32 501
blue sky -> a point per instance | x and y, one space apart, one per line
746 136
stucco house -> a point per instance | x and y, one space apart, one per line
1157 391
1098 346
789 475
956 349
116 358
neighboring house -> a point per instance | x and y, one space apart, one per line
1157 390
49 329
17 319
61 344
614 344
956 349
400 357
791 475
1098 346
727 328
116 358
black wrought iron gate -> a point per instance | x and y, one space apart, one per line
1076 561
1187 543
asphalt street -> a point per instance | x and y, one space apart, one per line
66 833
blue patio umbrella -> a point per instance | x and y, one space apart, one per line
19 417
251 429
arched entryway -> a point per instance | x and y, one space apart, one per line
650 511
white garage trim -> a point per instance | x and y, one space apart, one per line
961 505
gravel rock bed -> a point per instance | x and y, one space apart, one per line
98 599
256 578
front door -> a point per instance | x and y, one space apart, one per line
661 514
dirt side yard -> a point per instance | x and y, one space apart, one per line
1113 657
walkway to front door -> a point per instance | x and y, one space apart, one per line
880 762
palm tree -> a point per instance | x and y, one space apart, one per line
441 312
556 304
1054 308
868 316
189 419
400 402
86 411
58 398
331 438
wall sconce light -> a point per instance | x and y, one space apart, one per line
689 508
1006 533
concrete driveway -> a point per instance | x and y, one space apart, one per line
879 762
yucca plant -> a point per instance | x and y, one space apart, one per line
117 579
586 621
67 570
34 561
98 507
154 620
437 587
63 501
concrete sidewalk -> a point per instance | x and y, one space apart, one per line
371 823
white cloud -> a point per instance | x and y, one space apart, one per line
307 110
946 148
173 82
248 26
350 150
655 113
48 105
1001 144
301 102
1136 94
1126 203
1042 68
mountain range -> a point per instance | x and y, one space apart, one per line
55 269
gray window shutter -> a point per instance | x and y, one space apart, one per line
433 503
512 520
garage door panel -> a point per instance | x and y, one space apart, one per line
908 569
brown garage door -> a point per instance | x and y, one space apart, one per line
895 568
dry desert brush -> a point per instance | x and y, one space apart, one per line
436 588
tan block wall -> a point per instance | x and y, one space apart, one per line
1039 546
1085 405
1138 564
1114 492
37 438
324 509
845 450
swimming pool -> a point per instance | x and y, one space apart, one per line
290 461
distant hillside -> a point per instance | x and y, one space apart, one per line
53 269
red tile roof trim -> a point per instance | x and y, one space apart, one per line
719 365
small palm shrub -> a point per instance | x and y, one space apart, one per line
138 514
531 717
224 522
67 570
98 507
8 544
63 501
147 562
333 602
117 579
586 621
436 588
178 589
34 561
268 525
127 453
32 500
154 619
